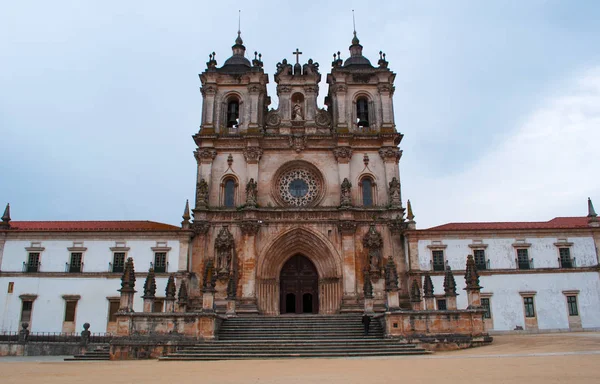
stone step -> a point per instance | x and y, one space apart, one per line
277 342
296 348
249 356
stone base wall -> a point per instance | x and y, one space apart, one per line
198 325
43 349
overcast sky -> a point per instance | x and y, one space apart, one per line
498 101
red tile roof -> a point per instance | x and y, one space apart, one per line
556 223
90 226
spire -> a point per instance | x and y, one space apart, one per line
182 298
355 39
171 289
410 215
128 278
592 216
185 224
471 275
415 292
150 284
356 56
427 286
6 217
449 283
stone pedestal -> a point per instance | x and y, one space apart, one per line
126 304
148 304
208 301
170 305
416 305
474 298
230 308
451 302
429 303
368 305
393 300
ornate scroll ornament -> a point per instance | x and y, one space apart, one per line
339 88
394 193
391 275
390 154
342 154
253 154
310 68
273 119
250 227
205 154
346 193
283 68
253 88
298 143
323 118
385 88
208 90
347 227
373 242
396 225
283 89
200 227
201 194
251 193
224 246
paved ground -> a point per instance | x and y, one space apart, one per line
550 358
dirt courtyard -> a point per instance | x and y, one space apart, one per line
547 358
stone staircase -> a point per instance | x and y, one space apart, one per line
261 337
98 353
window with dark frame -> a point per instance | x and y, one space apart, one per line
362 112
485 303
160 262
26 309
367 192
33 262
113 308
118 262
70 310
565 258
523 258
229 199
572 304
233 113
441 304
479 256
75 264
438 260
529 307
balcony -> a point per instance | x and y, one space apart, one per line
482 266
74 268
116 268
31 267
524 263
567 262
160 268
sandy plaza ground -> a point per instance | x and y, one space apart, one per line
544 358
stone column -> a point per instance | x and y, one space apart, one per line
254 91
284 94
209 93
347 230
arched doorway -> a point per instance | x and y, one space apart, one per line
299 286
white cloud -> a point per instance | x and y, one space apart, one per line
546 167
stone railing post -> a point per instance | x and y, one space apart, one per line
473 288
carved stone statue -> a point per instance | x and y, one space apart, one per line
346 196
224 250
283 68
394 193
201 194
373 242
251 193
297 112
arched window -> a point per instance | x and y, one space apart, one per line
362 112
367 192
233 113
229 193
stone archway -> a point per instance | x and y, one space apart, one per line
316 248
298 286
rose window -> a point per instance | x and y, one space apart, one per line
298 187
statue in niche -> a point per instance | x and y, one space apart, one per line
297 112
394 192
373 242
224 249
251 193
202 193
346 197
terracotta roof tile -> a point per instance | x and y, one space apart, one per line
91 226
556 223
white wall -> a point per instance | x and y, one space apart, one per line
95 259
49 307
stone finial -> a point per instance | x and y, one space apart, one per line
185 224
592 216
415 292
471 275
449 283
85 335
150 285
209 277
391 275
6 217
367 285
410 216
182 297
171 288
427 286
128 278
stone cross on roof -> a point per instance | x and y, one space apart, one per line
297 53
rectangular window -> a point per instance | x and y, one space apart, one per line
11 286
523 258
485 303
113 308
479 256
158 305
565 258
441 304
438 260
118 262
160 262
572 303
75 264
70 311
26 309
529 308
33 262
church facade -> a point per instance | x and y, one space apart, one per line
299 210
